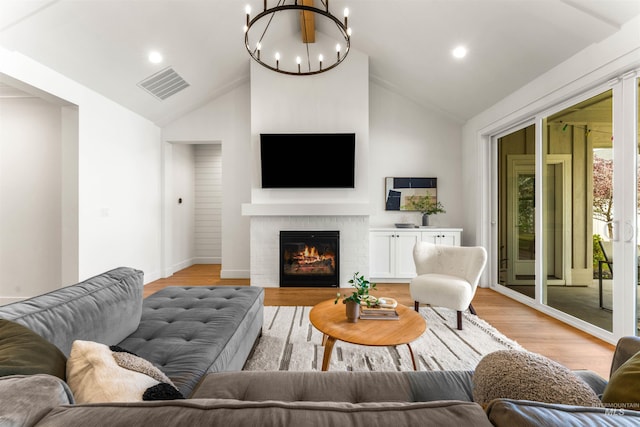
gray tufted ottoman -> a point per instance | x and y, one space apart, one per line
190 331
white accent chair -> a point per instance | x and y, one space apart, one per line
447 276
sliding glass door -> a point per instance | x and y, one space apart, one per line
568 210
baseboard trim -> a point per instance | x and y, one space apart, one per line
207 260
235 274
152 277
182 265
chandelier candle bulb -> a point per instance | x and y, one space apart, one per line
338 51
298 61
346 17
258 47
277 60
247 10
320 58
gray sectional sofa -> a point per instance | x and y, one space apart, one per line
201 336
185 331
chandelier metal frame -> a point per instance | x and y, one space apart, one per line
254 52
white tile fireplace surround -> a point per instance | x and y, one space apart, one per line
265 240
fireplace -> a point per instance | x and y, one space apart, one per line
309 258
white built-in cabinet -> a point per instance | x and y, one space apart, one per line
391 250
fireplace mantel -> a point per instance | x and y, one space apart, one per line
309 209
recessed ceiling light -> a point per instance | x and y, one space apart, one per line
459 52
155 57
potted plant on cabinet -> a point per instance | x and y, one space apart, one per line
358 296
425 205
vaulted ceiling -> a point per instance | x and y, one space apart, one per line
103 44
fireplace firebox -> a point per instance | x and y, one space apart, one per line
309 258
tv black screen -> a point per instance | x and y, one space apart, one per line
307 160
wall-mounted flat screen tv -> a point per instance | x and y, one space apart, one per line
307 160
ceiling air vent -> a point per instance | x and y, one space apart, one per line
164 83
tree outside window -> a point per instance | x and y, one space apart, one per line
603 191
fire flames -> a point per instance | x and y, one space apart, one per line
310 256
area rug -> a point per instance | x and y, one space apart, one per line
290 343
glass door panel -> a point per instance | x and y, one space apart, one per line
516 211
578 210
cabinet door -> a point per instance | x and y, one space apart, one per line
381 254
450 238
430 236
405 267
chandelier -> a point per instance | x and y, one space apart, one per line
291 28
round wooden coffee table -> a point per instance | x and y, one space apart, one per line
331 320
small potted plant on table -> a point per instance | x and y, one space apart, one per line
358 296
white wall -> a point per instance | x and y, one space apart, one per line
225 119
183 180
119 190
407 139
592 66
30 197
118 177
336 101
70 258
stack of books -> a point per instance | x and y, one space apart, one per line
378 313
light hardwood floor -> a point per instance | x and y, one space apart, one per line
533 330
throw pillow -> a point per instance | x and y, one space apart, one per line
622 390
126 359
166 390
94 375
162 391
520 375
24 352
